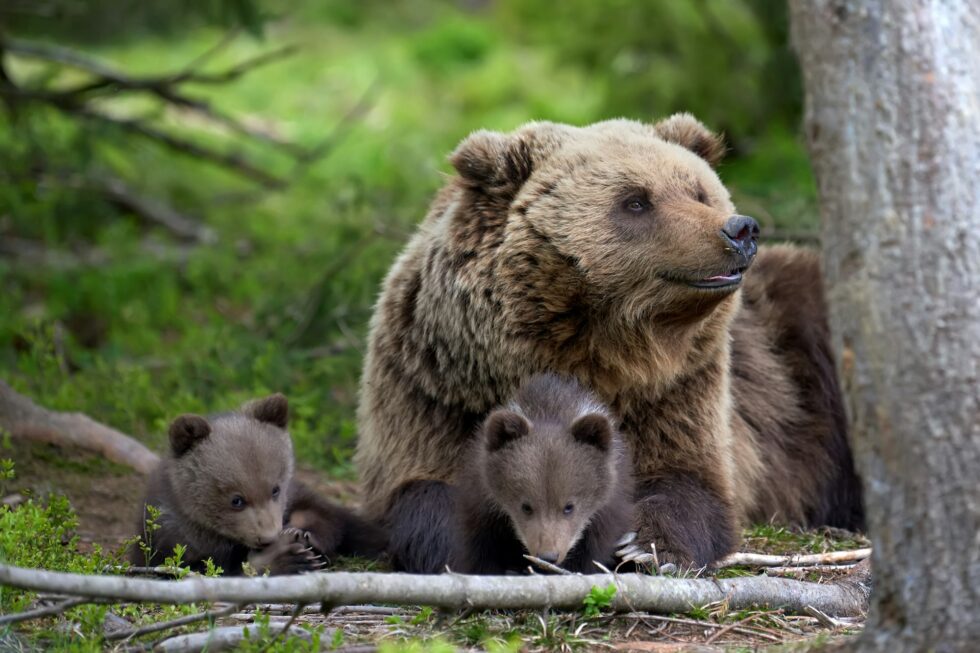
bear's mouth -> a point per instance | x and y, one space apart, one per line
720 281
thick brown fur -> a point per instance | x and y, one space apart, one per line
548 475
573 250
226 491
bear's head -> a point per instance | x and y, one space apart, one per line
231 472
635 210
548 477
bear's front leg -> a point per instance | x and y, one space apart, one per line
688 523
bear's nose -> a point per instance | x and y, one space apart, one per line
549 557
741 232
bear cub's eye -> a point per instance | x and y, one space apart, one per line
636 205
238 502
702 196
275 492
526 508
569 508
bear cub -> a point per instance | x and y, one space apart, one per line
226 491
549 476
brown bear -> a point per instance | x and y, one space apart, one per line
226 491
548 475
612 254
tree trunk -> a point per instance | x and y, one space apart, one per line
893 124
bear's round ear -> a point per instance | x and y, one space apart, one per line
594 430
499 164
503 427
688 132
273 409
186 431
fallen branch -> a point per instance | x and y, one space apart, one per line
762 560
846 597
804 569
44 611
24 419
222 639
210 616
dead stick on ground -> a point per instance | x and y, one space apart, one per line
846 597
761 560
46 611
210 615
22 418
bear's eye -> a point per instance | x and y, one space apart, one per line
569 508
275 492
636 205
526 509
702 196
238 502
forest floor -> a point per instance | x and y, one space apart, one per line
105 498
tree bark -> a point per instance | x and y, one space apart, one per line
893 127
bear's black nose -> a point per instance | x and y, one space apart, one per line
549 557
741 232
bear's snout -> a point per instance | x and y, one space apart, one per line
741 232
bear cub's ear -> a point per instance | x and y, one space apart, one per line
687 131
186 431
273 409
594 430
493 161
503 427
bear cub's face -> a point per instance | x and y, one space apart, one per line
231 473
632 207
548 478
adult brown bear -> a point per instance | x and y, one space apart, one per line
613 254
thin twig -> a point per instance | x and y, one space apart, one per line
731 627
547 566
292 619
210 615
46 611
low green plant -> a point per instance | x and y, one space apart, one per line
598 599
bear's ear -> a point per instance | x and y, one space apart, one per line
594 430
499 164
186 431
687 131
273 409
503 427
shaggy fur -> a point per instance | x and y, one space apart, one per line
548 475
573 250
226 492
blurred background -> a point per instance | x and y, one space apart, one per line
199 198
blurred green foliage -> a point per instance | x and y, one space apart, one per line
281 299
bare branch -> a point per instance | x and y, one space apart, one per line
22 418
221 639
762 560
635 591
45 611
210 615
154 211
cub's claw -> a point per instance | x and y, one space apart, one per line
627 538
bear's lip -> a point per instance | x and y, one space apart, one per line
718 281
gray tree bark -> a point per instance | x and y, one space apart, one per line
893 126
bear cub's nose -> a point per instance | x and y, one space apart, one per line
741 232
549 557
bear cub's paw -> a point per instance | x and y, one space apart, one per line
292 553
